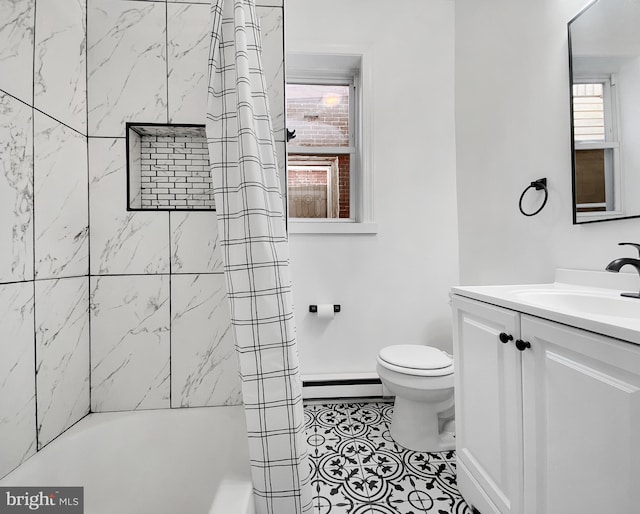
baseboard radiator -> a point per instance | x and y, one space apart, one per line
341 386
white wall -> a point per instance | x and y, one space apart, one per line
512 127
393 286
629 109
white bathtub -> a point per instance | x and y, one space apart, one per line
191 461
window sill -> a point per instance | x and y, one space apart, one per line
329 227
582 217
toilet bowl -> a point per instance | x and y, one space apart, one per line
421 377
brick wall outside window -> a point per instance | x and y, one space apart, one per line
343 167
319 124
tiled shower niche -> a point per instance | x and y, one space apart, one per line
168 168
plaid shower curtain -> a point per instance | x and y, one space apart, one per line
255 251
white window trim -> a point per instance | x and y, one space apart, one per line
362 183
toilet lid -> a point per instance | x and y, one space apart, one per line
413 356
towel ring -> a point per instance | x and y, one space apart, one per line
539 184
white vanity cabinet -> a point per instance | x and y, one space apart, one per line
551 429
488 403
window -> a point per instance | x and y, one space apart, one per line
588 108
597 167
325 176
320 157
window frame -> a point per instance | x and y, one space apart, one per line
339 69
613 203
350 81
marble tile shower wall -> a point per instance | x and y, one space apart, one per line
44 224
160 325
100 308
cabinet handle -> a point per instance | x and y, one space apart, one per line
522 345
505 338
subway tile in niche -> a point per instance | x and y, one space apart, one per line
129 342
204 367
16 190
17 376
61 203
168 168
174 173
62 354
126 64
16 48
60 61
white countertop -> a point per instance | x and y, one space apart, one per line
514 297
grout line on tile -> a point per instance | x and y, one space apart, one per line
170 321
166 54
40 111
33 226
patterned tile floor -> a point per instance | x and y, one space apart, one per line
357 468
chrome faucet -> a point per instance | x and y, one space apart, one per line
617 264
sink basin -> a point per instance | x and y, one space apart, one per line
589 300
585 302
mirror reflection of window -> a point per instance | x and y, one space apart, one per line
596 146
604 65
588 112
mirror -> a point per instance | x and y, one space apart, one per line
604 65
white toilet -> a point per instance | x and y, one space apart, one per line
421 377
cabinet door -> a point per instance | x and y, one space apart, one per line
488 407
581 401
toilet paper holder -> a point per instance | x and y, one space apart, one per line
314 308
